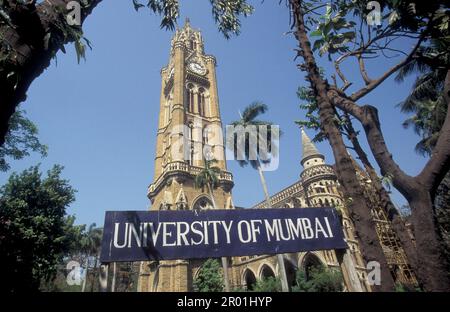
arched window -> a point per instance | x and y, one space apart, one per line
266 272
203 203
250 279
205 139
311 262
190 98
206 147
201 101
291 272
192 44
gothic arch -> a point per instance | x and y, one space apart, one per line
206 134
202 202
199 269
265 270
190 94
309 261
248 278
201 101
291 270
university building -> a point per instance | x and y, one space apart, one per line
189 109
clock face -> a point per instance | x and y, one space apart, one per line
197 68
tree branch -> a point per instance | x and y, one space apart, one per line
340 74
368 117
362 70
374 83
28 56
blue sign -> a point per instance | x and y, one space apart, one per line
167 235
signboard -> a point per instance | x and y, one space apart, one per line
166 235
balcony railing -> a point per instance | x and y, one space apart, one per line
182 167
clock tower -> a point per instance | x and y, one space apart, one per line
189 130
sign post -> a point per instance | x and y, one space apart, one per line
169 235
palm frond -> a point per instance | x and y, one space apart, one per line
253 110
416 65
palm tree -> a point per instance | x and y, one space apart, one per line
209 177
246 156
426 100
90 245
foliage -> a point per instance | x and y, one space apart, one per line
91 240
426 100
34 230
344 27
334 32
399 287
253 155
209 175
226 13
427 104
268 284
84 247
209 278
312 120
320 279
20 140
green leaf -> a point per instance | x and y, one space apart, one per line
80 48
316 33
318 43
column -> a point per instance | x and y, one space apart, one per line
160 134
177 122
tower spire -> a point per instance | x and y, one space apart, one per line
308 148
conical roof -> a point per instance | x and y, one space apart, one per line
308 148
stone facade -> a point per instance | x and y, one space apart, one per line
189 113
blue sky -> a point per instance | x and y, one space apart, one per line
99 117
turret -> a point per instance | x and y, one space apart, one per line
311 156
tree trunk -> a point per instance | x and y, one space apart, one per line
280 258
432 263
224 259
398 224
432 274
442 211
24 52
356 202
83 287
